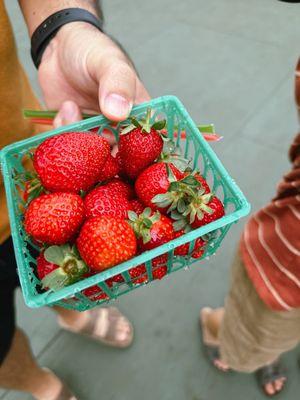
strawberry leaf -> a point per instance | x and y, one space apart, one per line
135 122
181 206
191 181
127 129
147 222
179 224
132 216
54 255
56 280
176 215
146 236
193 215
158 125
147 212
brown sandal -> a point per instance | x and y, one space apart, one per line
109 321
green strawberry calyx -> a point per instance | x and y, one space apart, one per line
186 199
143 223
144 124
32 185
171 155
71 266
180 193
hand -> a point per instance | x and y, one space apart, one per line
83 69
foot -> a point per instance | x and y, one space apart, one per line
272 378
106 325
210 321
50 387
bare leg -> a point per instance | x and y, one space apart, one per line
20 371
213 324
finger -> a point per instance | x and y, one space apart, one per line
68 113
141 94
117 89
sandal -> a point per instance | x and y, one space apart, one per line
210 344
106 325
269 375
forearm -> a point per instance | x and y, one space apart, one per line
36 11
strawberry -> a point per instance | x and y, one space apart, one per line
101 201
140 144
117 187
205 210
120 164
44 267
183 250
136 206
159 270
59 266
106 241
95 293
155 180
200 179
203 182
152 229
54 218
109 170
71 161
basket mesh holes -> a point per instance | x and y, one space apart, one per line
210 178
230 207
219 192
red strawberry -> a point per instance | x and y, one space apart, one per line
183 250
120 164
153 181
117 187
59 266
136 206
201 180
95 293
54 218
106 241
140 144
151 230
159 270
100 201
138 274
71 161
205 211
44 267
109 170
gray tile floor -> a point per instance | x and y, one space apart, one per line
231 62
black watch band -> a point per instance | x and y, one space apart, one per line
48 29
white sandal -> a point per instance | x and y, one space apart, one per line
105 325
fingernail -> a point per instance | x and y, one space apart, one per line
116 106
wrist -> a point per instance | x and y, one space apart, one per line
37 11
72 19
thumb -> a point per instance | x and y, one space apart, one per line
68 113
117 89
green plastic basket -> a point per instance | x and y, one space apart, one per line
193 146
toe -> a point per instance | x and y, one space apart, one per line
279 383
220 365
269 388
